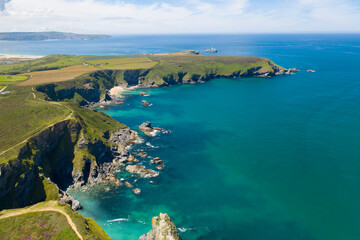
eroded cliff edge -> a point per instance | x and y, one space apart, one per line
85 149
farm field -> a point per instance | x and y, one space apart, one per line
59 75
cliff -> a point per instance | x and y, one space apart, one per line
170 70
82 150
162 229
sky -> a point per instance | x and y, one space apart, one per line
181 16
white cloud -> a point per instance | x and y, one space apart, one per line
184 16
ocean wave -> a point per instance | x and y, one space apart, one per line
139 141
150 145
119 220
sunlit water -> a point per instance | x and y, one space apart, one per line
257 158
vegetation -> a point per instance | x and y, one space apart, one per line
46 63
22 116
36 225
123 63
46 220
12 78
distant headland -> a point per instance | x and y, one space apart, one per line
47 36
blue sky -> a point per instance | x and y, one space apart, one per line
182 16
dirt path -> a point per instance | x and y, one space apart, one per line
3 88
47 209
56 103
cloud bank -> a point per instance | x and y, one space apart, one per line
182 16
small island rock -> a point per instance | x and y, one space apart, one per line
162 229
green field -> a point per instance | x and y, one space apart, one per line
12 78
123 63
42 221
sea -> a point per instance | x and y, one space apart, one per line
249 159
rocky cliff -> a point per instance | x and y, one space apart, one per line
162 229
70 153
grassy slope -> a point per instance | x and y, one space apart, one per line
204 65
48 223
22 116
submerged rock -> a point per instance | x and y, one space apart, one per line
142 171
137 191
160 167
145 103
162 229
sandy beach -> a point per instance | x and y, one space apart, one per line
11 56
115 91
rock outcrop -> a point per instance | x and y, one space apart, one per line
142 171
147 128
162 229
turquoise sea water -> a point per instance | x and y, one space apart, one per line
256 158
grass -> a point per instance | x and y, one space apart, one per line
22 116
123 63
12 78
49 220
63 74
36 225
46 63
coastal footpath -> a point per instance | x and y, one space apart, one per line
51 137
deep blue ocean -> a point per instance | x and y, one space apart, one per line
251 159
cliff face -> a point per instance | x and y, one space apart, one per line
170 71
162 229
67 154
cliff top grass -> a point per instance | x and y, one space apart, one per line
48 220
56 68
22 116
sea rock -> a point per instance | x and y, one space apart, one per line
137 191
157 160
119 103
160 167
129 185
143 154
148 129
144 94
145 103
142 171
132 159
162 229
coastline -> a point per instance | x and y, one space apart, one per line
18 56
